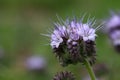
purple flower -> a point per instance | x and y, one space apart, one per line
35 63
57 36
113 22
75 31
115 36
74 40
87 32
113 30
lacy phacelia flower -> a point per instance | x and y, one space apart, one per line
64 76
58 35
74 41
87 32
113 30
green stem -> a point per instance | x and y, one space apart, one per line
90 71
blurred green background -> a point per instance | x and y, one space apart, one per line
22 22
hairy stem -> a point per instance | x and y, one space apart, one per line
90 71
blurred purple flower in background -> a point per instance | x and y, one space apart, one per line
36 63
113 22
113 30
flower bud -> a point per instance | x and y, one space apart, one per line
64 76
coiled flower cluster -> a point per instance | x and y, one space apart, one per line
74 41
65 75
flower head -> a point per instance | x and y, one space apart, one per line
74 40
